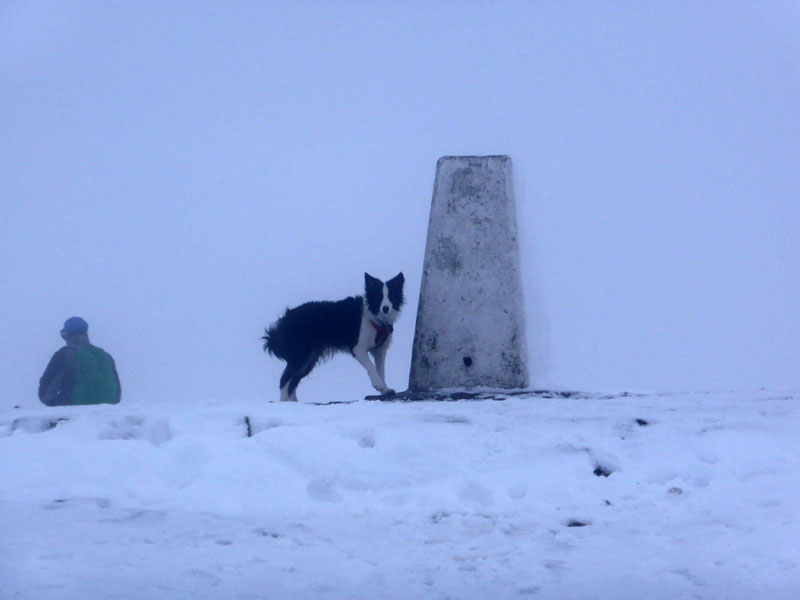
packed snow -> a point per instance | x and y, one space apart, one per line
674 495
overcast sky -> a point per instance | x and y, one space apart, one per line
180 173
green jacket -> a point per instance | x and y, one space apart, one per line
80 373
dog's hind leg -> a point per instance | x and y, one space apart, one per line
288 373
304 370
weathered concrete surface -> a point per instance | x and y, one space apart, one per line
470 324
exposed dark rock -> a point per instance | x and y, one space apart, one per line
602 471
577 523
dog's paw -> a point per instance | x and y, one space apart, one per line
381 387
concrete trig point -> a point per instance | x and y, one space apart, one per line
470 329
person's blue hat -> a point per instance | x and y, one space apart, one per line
75 325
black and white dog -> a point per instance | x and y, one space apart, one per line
358 325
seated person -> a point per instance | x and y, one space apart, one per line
79 373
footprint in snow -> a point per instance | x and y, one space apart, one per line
518 490
201 576
267 533
529 590
138 428
33 425
475 493
438 516
322 489
439 418
365 436
367 440
77 502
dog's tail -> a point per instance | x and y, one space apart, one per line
273 340
269 339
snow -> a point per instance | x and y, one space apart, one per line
464 499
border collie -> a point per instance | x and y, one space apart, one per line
317 330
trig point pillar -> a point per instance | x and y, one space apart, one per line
470 322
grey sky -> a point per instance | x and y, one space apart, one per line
179 174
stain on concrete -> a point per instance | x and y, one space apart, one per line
447 256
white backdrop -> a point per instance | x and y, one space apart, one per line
179 175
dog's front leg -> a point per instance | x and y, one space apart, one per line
375 378
380 361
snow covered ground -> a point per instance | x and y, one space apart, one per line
690 495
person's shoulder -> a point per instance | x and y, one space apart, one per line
62 357
102 352
64 352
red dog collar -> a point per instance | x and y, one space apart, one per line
382 333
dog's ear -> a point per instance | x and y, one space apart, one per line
395 286
371 282
397 279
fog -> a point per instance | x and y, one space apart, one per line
178 175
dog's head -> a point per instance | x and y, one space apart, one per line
384 299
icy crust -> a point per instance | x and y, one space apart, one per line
489 393
476 393
581 496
